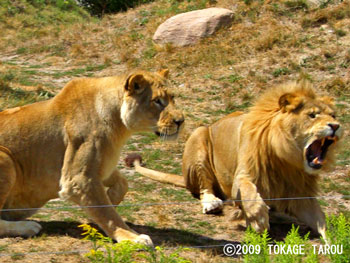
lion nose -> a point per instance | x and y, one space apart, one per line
334 126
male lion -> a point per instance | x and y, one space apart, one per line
276 150
69 147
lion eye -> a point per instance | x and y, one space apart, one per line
333 116
312 115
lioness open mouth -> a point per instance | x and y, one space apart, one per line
317 151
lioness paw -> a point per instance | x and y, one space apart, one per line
144 239
212 206
24 228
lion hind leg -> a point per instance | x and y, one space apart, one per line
7 181
201 182
210 203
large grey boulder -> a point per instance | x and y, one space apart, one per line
188 28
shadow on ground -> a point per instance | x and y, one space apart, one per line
171 237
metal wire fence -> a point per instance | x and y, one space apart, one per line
70 252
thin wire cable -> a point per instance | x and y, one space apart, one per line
44 253
86 251
170 203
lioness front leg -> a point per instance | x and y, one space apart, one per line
310 213
255 211
81 183
116 187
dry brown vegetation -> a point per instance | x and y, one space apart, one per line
269 42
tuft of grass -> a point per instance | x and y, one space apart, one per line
280 71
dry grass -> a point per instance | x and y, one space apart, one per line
269 42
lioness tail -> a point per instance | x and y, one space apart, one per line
136 160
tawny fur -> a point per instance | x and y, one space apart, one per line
261 155
69 147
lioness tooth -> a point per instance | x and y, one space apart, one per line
323 140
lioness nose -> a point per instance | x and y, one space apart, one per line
178 122
334 126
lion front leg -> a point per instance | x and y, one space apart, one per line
255 210
310 213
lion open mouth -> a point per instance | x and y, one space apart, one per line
316 152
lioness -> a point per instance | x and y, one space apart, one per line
275 150
69 147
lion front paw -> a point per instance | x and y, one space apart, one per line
258 217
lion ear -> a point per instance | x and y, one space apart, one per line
163 72
328 100
289 102
135 84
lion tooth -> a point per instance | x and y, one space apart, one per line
322 142
316 161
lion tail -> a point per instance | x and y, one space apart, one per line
136 160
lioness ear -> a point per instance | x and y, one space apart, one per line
163 72
135 84
327 100
289 102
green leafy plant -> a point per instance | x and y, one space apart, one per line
339 234
104 250
300 245
253 238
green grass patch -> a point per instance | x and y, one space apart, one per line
10 97
39 13
266 250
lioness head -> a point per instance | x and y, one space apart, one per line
310 121
149 106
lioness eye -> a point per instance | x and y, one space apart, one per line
333 116
312 115
159 102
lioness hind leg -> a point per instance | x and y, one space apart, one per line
117 187
199 176
7 181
